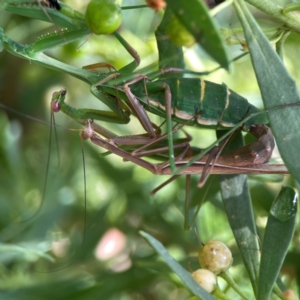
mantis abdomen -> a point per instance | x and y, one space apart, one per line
212 105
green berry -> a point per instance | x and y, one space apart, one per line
103 16
178 34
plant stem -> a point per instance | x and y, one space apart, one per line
290 20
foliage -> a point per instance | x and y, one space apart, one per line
42 255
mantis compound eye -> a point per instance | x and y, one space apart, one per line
63 92
55 106
54 95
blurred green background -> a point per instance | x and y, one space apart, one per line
38 245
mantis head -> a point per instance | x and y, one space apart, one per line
57 99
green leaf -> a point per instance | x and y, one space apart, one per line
185 276
237 202
278 91
291 7
195 16
278 235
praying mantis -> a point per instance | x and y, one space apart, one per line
175 99
250 156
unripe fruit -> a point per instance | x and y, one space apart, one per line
215 256
178 34
206 279
103 16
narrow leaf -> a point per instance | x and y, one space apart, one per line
14 249
195 16
291 7
237 202
278 235
185 276
278 90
